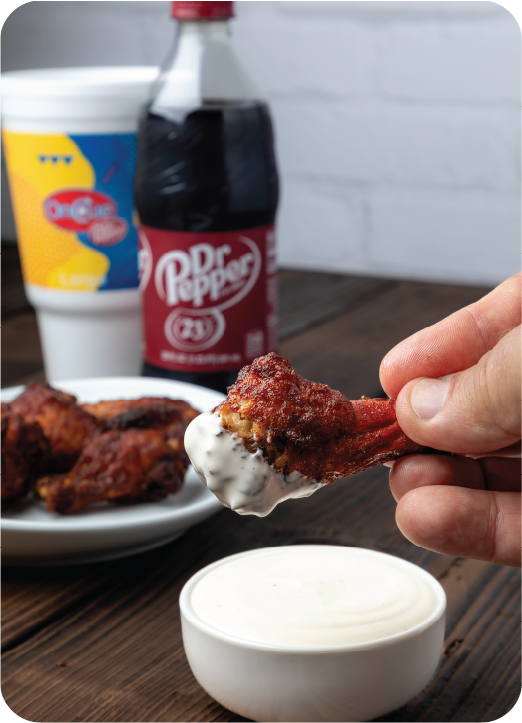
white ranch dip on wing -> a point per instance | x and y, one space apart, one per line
243 481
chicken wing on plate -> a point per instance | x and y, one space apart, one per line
171 416
148 412
66 425
130 465
24 451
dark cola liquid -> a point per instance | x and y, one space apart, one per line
210 169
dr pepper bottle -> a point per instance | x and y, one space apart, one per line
206 194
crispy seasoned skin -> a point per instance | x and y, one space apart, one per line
172 415
64 423
308 427
148 412
24 451
130 465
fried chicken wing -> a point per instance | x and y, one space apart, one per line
147 412
24 451
171 416
130 465
67 426
305 427
279 436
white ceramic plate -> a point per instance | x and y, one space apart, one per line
31 536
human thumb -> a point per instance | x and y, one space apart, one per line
470 412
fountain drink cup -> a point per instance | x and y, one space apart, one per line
69 139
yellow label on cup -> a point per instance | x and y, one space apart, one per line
72 201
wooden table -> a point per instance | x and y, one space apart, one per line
102 642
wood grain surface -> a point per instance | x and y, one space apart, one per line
102 642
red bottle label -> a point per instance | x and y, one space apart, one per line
209 299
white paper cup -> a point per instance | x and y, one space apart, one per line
70 146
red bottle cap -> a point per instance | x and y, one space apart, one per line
203 10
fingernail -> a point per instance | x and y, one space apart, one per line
388 464
428 397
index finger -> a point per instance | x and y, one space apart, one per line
455 343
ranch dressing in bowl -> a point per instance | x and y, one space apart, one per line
315 597
243 481
312 632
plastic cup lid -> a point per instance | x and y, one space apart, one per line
113 81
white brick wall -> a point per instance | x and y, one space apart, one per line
452 62
322 226
398 124
472 235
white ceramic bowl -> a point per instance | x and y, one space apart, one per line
358 682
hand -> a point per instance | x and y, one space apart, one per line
457 385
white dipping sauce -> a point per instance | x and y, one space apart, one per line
314 596
243 481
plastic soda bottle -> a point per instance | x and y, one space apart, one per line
206 193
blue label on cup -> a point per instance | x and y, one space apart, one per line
73 200
113 160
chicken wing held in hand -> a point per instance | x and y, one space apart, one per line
307 427
130 465
278 435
